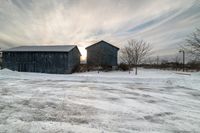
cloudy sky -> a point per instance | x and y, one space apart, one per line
163 23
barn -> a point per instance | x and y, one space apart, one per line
60 59
102 54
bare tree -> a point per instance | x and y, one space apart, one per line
134 53
140 50
193 44
127 56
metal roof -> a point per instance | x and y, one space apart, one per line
104 42
56 48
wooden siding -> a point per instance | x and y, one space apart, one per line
42 62
74 59
102 54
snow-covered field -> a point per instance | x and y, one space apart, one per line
154 101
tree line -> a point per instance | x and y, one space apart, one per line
137 53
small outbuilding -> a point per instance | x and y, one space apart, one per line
102 54
60 59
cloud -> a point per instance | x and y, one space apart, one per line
162 23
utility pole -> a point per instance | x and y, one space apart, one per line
183 59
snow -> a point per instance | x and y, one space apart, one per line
154 101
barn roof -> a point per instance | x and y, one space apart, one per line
100 42
56 48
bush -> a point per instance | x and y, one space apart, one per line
123 67
106 68
81 68
194 65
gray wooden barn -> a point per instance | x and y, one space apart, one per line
102 54
58 59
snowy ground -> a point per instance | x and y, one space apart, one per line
153 101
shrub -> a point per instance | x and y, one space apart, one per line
123 67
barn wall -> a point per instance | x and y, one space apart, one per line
93 54
43 62
74 59
102 53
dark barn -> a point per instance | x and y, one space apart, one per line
43 59
102 54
